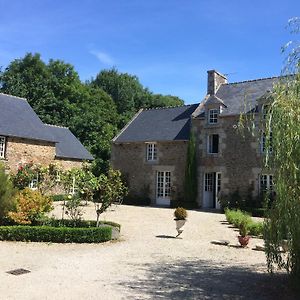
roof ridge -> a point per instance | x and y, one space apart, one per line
12 96
56 126
167 107
252 80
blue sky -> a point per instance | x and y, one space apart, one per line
168 44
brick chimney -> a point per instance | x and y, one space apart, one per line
214 81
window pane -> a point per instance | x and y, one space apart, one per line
213 116
213 143
2 147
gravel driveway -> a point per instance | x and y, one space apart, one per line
147 263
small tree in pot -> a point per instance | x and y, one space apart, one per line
180 215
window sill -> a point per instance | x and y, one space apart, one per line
151 162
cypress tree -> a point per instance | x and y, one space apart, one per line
190 181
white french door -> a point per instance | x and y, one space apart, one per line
163 187
212 187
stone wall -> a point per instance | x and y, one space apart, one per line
68 164
239 159
21 151
130 159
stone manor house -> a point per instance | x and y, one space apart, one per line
151 149
25 138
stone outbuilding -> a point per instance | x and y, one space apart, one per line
25 138
151 150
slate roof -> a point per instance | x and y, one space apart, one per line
17 119
241 96
68 146
161 124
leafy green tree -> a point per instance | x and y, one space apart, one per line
190 181
283 121
125 89
110 189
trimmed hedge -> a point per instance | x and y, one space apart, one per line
77 224
56 234
236 217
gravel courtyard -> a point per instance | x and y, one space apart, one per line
147 262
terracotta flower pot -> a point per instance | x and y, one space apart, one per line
244 240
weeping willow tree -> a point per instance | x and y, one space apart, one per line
190 180
282 129
283 224
281 126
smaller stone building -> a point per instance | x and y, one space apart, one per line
151 150
25 138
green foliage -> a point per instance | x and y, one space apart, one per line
180 213
6 193
60 197
72 207
25 174
80 223
244 222
190 179
30 206
56 234
110 189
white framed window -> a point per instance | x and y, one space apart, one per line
2 146
264 143
213 116
213 143
73 188
208 182
266 183
151 151
33 184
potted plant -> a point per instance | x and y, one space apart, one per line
244 230
180 215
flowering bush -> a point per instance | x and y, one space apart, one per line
30 206
25 174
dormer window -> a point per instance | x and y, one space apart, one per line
2 146
151 150
213 116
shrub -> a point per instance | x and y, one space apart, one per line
180 213
73 209
57 197
240 219
6 193
30 206
56 234
25 174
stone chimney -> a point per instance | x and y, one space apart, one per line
214 81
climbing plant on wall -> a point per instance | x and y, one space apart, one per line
190 180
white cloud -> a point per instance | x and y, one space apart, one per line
103 57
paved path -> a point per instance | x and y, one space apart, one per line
148 262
